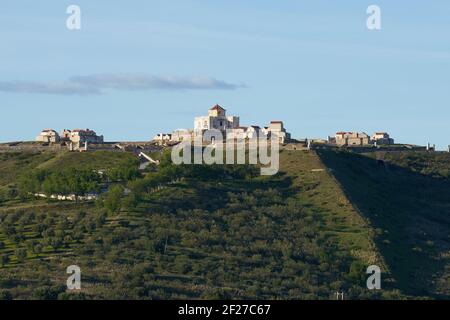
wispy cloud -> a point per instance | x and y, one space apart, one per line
98 83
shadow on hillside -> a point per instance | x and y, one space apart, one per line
410 213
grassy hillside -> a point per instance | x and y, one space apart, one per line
434 164
99 160
214 232
319 191
12 164
406 200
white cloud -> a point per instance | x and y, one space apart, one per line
98 83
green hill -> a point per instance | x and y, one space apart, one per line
405 197
226 232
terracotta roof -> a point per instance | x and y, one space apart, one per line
217 107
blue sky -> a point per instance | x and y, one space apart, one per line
141 67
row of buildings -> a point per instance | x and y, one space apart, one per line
216 120
229 126
76 137
360 139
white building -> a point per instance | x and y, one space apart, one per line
216 119
238 133
79 136
47 136
382 138
253 132
351 139
181 135
217 123
162 137
276 128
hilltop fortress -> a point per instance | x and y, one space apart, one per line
229 126
216 120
